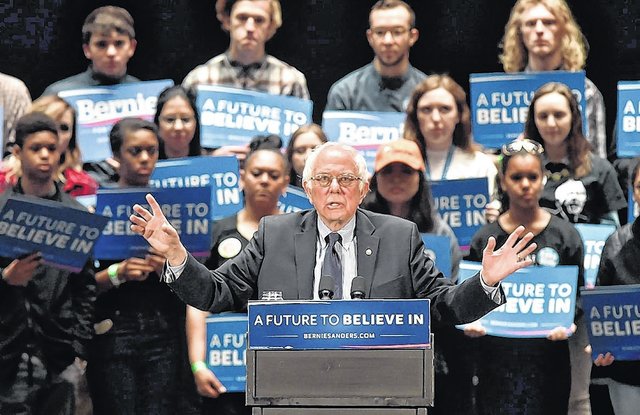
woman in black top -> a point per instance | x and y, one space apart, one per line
531 375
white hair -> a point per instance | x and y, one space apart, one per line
358 159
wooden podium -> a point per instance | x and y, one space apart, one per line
372 381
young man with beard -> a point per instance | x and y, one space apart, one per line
386 83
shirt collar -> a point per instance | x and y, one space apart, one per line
252 66
347 232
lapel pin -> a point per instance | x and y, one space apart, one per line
368 251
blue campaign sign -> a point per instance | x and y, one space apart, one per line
294 200
64 235
539 299
593 238
461 204
633 209
628 120
98 108
341 324
220 174
186 209
363 130
500 101
438 247
613 320
226 349
231 116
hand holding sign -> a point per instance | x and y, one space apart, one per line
156 229
208 384
135 269
561 333
604 360
512 256
20 271
475 329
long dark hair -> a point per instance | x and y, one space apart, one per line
166 95
578 148
420 205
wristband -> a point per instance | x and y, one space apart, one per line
112 272
198 366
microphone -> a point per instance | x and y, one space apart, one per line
357 288
325 291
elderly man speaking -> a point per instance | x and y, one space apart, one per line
289 253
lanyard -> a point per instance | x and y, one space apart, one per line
447 164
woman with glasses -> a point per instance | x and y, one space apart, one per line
263 180
70 173
531 375
178 124
619 266
303 140
438 120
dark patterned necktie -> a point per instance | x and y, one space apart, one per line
331 265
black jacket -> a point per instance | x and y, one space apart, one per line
51 316
619 265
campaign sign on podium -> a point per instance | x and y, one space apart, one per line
220 173
226 349
64 235
613 320
343 324
539 299
232 116
500 102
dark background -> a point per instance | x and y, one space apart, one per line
40 40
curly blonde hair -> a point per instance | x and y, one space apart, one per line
573 48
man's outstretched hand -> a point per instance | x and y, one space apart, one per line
157 230
512 256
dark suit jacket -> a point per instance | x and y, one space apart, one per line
281 257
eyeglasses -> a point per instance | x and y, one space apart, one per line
520 146
344 180
186 121
396 32
63 127
135 151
